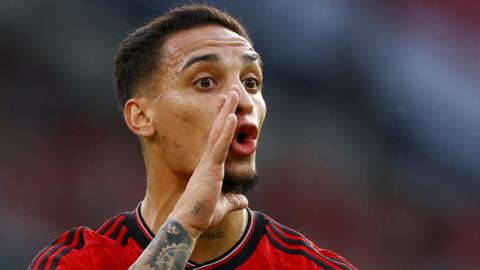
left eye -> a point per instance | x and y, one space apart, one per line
250 83
205 83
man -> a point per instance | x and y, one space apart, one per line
189 83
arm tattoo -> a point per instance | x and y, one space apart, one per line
170 249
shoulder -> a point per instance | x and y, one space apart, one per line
82 248
50 256
294 245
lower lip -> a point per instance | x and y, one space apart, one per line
245 148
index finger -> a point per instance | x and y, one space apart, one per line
228 107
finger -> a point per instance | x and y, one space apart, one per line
221 102
229 106
220 149
236 202
218 126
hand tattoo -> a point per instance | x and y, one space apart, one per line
196 209
170 249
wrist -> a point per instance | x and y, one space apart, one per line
193 231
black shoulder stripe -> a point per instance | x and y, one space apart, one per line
285 229
297 252
57 257
116 231
54 248
125 238
307 245
106 227
344 264
288 240
35 259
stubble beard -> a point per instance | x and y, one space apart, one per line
239 184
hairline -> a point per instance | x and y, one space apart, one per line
144 51
161 54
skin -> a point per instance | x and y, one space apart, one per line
186 117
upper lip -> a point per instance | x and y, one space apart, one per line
248 129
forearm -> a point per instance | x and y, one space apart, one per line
170 249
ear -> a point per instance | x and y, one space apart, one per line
137 117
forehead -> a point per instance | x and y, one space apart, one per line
205 39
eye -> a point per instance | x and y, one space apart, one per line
205 83
250 83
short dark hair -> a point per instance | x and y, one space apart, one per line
139 55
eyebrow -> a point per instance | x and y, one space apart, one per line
213 58
252 57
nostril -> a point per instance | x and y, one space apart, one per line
245 106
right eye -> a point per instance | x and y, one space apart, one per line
205 83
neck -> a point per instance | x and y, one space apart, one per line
162 194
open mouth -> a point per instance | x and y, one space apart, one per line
244 141
241 137
246 132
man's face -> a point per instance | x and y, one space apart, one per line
199 66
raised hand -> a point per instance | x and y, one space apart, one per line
202 204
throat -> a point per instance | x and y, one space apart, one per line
216 241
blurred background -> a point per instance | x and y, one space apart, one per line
371 146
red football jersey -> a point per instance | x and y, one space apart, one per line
117 244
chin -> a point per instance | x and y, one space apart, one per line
239 178
240 174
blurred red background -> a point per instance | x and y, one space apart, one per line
371 146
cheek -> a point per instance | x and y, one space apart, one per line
183 126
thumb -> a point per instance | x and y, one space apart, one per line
235 202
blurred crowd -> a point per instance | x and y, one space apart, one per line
371 146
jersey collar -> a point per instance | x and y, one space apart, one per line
235 256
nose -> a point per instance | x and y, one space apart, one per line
245 102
